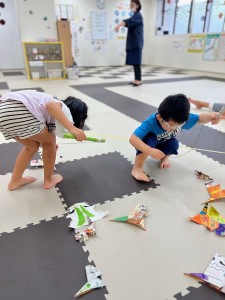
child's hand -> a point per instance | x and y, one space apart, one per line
157 154
79 134
215 118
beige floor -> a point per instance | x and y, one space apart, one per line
135 264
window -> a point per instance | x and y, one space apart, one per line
198 16
216 23
182 16
169 14
190 16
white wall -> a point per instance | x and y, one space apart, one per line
162 54
11 54
23 26
33 27
112 51
161 51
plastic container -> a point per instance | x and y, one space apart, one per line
56 73
35 75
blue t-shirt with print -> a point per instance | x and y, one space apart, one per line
152 125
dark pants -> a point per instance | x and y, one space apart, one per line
168 147
137 72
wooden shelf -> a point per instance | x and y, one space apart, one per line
44 60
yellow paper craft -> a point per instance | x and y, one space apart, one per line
212 212
214 191
209 217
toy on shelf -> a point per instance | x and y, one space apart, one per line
94 282
211 219
135 217
88 138
214 275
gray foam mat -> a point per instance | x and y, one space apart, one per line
98 179
43 262
4 86
37 89
202 293
12 73
8 154
198 137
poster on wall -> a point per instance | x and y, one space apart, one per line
177 45
211 47
98 26
196 43
221 48
70 13
121 12
64 14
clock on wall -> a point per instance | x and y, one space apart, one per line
100 4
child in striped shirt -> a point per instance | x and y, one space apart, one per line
31 117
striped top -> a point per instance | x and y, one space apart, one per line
17 121
36 102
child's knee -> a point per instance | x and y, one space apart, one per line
32 147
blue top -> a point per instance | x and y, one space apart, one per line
152 125
135 39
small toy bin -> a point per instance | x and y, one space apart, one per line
72 73
56 73
35 75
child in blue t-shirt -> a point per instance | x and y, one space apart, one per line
155 137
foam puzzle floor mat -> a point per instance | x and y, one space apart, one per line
43 262
94 179
39 257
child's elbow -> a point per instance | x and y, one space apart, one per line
132 139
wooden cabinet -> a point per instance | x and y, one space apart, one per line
44 60
64 36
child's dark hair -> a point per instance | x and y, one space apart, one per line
78 111
137 2
175 108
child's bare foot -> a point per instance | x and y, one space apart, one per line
16 184
164 163
55 179
197 103
139 175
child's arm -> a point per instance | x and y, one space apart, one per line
213 117
138 144
54 109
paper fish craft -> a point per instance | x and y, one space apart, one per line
214 191
214 275
85 234
93 282
211 219
201 175
135 217
82 214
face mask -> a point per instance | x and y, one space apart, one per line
133 10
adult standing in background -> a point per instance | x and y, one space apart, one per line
135 40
